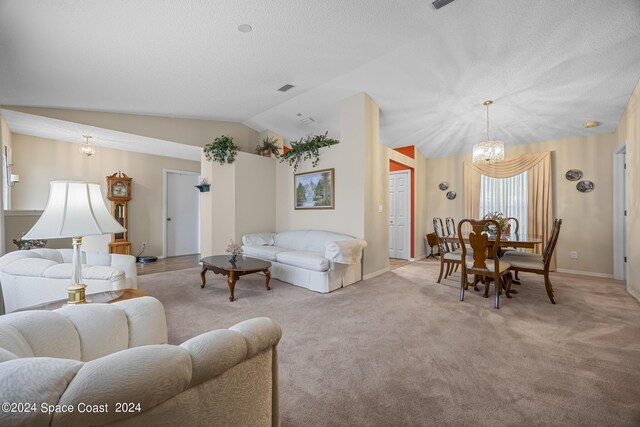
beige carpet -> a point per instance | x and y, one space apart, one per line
400 349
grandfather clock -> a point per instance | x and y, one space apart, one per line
119 192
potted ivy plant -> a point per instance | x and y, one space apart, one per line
221 150
307 148
268 147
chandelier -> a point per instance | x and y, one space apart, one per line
86 148
488 151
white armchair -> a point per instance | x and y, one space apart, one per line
101 358
39 275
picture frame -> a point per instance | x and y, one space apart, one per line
314 190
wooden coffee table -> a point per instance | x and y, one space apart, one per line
100 297
221 264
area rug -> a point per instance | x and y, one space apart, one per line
402 350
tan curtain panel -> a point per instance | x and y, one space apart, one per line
538 166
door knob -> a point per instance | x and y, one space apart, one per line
168 219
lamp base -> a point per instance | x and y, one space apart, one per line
76 293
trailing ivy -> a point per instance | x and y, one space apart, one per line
222 150
307 148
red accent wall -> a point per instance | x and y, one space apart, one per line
393 167
409 151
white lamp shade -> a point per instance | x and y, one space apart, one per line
74 209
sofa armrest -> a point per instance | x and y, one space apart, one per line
215 352
147 376
345 251
126 263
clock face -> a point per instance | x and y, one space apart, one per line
119 189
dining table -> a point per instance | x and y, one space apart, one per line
513 240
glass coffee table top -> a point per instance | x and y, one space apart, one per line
242 263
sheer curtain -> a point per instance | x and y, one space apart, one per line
507 195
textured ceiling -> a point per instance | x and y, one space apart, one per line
549 65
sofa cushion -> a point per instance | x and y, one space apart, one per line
51 254
263 252
304 259
29 267
307 240
96 272
258 239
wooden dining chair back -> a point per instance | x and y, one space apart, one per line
515 224
447 257
451 231
483 262
535 263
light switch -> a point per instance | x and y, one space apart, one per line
380 208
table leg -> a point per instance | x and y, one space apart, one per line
231 281
202 276
267 275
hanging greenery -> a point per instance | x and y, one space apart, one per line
268 147
307 148
222 150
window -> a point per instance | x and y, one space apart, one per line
506 195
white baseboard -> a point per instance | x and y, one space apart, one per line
585 273
375 273
634 293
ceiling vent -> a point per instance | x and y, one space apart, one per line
307 120
286 88
440 3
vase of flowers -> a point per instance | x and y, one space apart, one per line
505 226
234 249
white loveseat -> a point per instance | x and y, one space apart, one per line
40 275
101 356
321 261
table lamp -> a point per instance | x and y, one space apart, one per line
75 209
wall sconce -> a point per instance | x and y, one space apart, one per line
86 148
14 179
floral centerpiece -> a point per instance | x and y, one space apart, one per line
505 226
234 249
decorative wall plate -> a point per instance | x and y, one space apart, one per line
443 185
584 186
573 174
451 195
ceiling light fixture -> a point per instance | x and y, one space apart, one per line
86 148
488 151
245 28
591 124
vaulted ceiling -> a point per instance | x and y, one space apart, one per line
549 65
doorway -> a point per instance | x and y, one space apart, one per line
400 214
620 213
181 213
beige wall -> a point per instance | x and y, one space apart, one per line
241 201
184 131
586 217
629 130
18 222
40 161
5 141
422 223
361 185
347 158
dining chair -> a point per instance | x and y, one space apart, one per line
536 263
516 223
484 261
447 256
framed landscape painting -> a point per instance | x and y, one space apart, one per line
314 190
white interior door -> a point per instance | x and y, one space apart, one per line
183 214
392 216
399 215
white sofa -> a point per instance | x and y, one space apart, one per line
321 261
39 275
96 356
